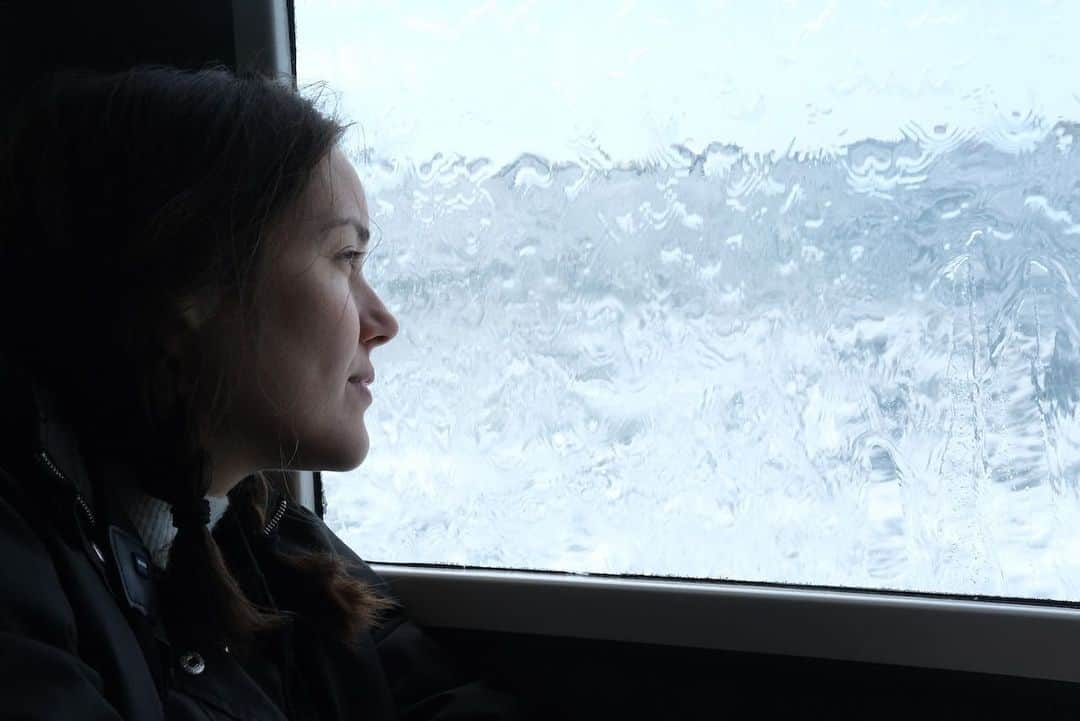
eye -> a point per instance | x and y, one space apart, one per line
354 257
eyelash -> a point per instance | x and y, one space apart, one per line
354 256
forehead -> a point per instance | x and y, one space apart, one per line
334 191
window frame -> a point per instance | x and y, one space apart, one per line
1009 637
1015 637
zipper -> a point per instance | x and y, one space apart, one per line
83 505
276 518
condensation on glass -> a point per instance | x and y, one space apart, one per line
763 291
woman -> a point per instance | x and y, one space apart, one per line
183 306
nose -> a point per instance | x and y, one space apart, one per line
378 326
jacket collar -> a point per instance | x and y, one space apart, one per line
35 441
57 447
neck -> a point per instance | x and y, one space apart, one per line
230 464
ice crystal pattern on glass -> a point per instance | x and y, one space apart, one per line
857 366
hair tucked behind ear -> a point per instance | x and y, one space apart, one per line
122 197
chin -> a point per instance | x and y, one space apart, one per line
342 457
360 455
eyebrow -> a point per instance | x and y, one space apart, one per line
362 231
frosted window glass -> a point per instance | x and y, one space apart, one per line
769 291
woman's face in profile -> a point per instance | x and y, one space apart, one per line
301 396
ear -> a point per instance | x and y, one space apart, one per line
194 311
179 330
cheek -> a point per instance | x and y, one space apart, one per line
312 341
327 418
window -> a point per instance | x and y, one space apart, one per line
772 292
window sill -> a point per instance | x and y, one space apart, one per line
1030 640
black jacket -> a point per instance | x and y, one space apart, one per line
79 635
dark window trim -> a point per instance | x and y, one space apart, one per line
263 32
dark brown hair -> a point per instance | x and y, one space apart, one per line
123 197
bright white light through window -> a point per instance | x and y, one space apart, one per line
764 291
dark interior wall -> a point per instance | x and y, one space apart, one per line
41 35
572 679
